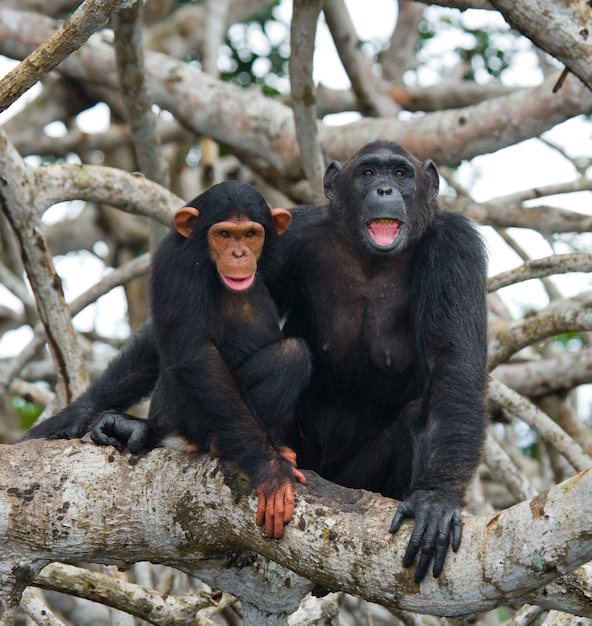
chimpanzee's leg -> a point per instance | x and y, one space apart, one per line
272 379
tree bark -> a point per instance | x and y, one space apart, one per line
71 501
570 22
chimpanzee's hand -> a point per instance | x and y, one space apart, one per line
69 423
275 495
290 456
120 430
275 509
435 513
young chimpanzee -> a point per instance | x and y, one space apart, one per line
227 378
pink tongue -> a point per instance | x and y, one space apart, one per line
384 232
238 284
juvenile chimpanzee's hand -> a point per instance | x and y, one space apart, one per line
435 513
121 430
290 456
275 499
275 509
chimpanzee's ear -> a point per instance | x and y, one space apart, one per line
331 173
184 219
281 218
433 177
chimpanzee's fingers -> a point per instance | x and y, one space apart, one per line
441 549
457 527
261 506
274 515
288 499
299 477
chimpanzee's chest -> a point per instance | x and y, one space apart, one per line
363 312
246 323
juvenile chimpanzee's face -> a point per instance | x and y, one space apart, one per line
235 247
378 196
232 226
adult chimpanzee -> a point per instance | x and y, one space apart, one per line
227 378
388 290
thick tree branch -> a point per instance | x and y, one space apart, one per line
448 137
561 372
147 604
535 328
104 185
77 502
548 220
568 21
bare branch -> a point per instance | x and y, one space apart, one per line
34 607
581 580
214 34
504 469
547 429
138 102
369 88
87 19
581 184
448 137
146 604
401 54
126 272
302 38
538 268
137 98
104 185
30 392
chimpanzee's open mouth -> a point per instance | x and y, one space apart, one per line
384 231
238 284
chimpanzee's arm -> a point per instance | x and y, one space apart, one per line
453 338
129 378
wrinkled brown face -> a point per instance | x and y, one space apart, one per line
235 248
